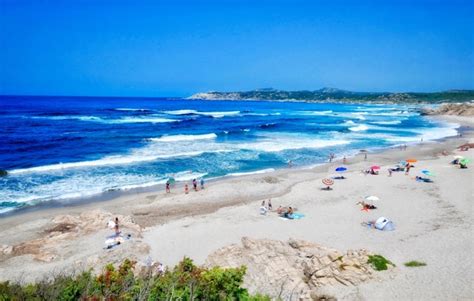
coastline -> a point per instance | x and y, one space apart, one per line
171 226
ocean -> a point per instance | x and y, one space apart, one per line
64 149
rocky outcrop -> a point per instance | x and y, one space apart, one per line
63 230
457 109
294 269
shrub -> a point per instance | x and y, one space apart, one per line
414 263
379 263
185 281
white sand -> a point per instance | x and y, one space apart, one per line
433 222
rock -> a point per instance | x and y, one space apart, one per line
275 267
6 249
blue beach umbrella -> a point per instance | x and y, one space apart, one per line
341 169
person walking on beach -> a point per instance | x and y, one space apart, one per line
195 185
202 183
168 187
270 207
186 189
117 230
407 168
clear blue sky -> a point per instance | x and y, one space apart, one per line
176 48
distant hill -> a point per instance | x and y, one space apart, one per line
337 95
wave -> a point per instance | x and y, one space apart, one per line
149 119
194 112
238 174
175 138
359 128
112 160
132 110
443 131
278 145
391 122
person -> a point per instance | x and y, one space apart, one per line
463 166
289 213
117 230
195 185
270 207
365 156
202 183
280 210
168 187
390 172
407 168
263 203
344 160
290 164
186 189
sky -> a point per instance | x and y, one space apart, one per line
177 48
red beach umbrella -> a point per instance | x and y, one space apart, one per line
374 167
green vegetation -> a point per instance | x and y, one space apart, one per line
337 95
185 281
3 173
415 263
379 263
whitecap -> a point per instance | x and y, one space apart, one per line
359 128
175 138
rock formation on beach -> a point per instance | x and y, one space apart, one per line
293 268
457 109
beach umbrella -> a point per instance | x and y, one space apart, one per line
411 160
464 161
427 172
372 198
328 182
341 169
374 167
171 180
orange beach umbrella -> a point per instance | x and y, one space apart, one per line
411 160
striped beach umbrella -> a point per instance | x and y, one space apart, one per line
328 182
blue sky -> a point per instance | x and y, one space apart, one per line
176 48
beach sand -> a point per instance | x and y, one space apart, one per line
433 223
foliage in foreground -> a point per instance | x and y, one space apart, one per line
415 263
379 263
185 281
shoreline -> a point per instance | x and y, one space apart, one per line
465 124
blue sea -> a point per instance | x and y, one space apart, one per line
64 149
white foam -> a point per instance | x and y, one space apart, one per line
359 128
149 119
390 122
175 138
131 109
212 114
188 175
238 174
290 143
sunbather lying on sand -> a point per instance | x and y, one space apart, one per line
366 206
421 179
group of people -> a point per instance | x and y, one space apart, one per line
186 186
265 207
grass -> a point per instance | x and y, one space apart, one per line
379 263
414 263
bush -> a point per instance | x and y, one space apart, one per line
415 263
185 281
379 263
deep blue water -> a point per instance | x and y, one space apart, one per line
62 148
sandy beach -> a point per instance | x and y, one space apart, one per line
433 223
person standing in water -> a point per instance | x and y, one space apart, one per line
168 187
202 183
195 185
